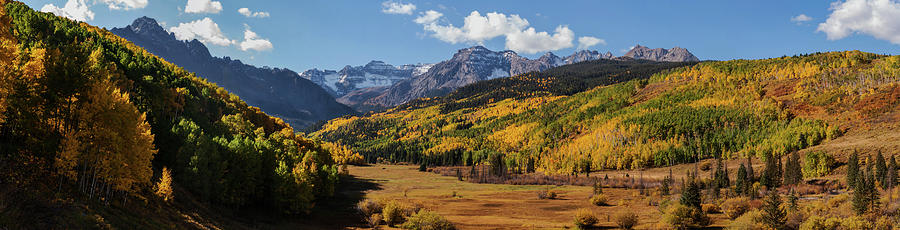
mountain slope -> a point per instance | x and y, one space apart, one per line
88 127
730 109
280 92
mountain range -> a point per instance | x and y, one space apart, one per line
378 85
277 91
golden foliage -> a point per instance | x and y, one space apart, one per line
164 186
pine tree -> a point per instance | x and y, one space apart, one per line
664 185
773 215
880 169
690 193
740 183
861 195
891 179
771 177
872 193
793 172
852 170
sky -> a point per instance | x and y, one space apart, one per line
330 34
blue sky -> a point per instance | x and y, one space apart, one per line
332 33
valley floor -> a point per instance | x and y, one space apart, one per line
499 206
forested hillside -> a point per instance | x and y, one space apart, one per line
726 109
88 118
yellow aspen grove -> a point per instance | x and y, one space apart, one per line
112 145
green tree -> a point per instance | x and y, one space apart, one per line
774 215
880 169
741 182
793 171
771 177
690 192
852 170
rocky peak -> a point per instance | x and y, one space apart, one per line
676 54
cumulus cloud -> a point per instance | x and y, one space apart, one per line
391 7
250 14
800 19
428 17
252 41
878 18
530 42
125 4
74 9
586 42
203 6
478 28
205 30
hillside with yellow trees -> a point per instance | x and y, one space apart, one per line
665 116
94 131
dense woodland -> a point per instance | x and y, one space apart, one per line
660 117
86 115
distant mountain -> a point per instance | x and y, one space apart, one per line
676 54
373 74
467 66
278 92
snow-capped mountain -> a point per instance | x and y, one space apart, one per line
378 85
467 66
373 74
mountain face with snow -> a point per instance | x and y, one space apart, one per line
278 92
676 54
373 74
467 66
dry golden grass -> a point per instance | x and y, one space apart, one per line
498 206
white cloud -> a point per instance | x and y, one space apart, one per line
878 18
586 42
530 42
203 6
205 30
478 28
391 7
252 41
428 17
800 19
74 9
125 4
250 14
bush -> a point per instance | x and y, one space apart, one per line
711 208
818 164
884 223
856 222
751 220
368 207
836 201
374 220
584 218
820 223
599 200
546 194
735 207
680 216
427 220
627 220
395 212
